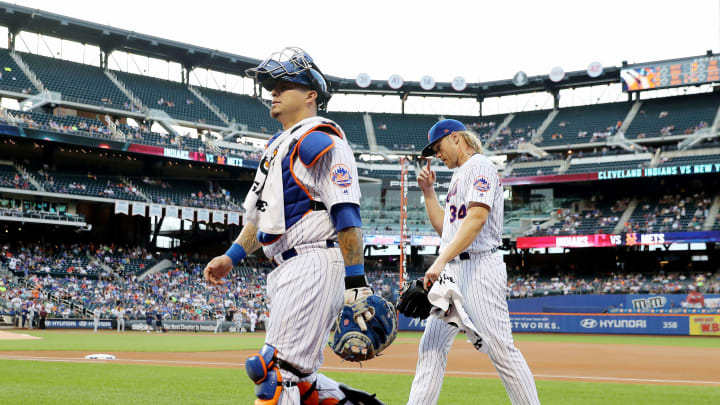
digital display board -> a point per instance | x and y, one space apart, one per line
607 240
681 72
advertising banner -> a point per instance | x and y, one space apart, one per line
636 324
382 239
76 324
627 239
706 325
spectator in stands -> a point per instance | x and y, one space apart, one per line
695 298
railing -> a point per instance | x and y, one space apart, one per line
9 212
117 133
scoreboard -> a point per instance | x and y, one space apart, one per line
681 72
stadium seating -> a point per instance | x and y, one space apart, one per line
702 159
673 116
354 127
172 97
483 127
12 78
402 132
674 212
184 193
77 81
599 216
522 128
11 178
88 184
575 125
66 124
534 171
606 165
243 110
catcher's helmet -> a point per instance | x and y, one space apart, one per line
294 65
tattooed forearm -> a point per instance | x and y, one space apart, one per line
248 238
351 244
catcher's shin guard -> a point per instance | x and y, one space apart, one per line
262 369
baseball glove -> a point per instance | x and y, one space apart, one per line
351 343
413 301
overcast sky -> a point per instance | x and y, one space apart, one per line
480 40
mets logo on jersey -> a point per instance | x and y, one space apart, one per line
340 176
481 184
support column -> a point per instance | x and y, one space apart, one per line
11 40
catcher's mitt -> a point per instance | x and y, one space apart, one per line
350 343
413 301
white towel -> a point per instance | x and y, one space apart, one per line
448 306
265 204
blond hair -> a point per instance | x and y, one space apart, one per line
472 140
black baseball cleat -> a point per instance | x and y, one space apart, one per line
359 397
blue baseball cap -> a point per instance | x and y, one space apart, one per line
440 130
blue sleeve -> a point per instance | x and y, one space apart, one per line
345 215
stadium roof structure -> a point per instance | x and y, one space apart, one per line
108 39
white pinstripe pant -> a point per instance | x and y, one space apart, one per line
482 282
307 295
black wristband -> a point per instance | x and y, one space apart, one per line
355 282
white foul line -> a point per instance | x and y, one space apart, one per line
356 369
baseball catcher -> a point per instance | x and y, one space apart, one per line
358 339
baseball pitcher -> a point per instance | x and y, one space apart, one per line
470 226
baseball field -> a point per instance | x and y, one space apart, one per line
178 368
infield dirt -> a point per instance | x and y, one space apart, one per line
547 360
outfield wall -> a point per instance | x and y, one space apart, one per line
600 303
622 324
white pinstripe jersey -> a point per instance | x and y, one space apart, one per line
331 180
477 180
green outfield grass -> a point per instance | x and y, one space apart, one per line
135 341
33 382
203 342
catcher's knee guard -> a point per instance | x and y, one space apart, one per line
262 369
308 393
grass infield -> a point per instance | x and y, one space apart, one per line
207 342
38 382
34 382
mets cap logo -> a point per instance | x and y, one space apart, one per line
481 184
340 176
